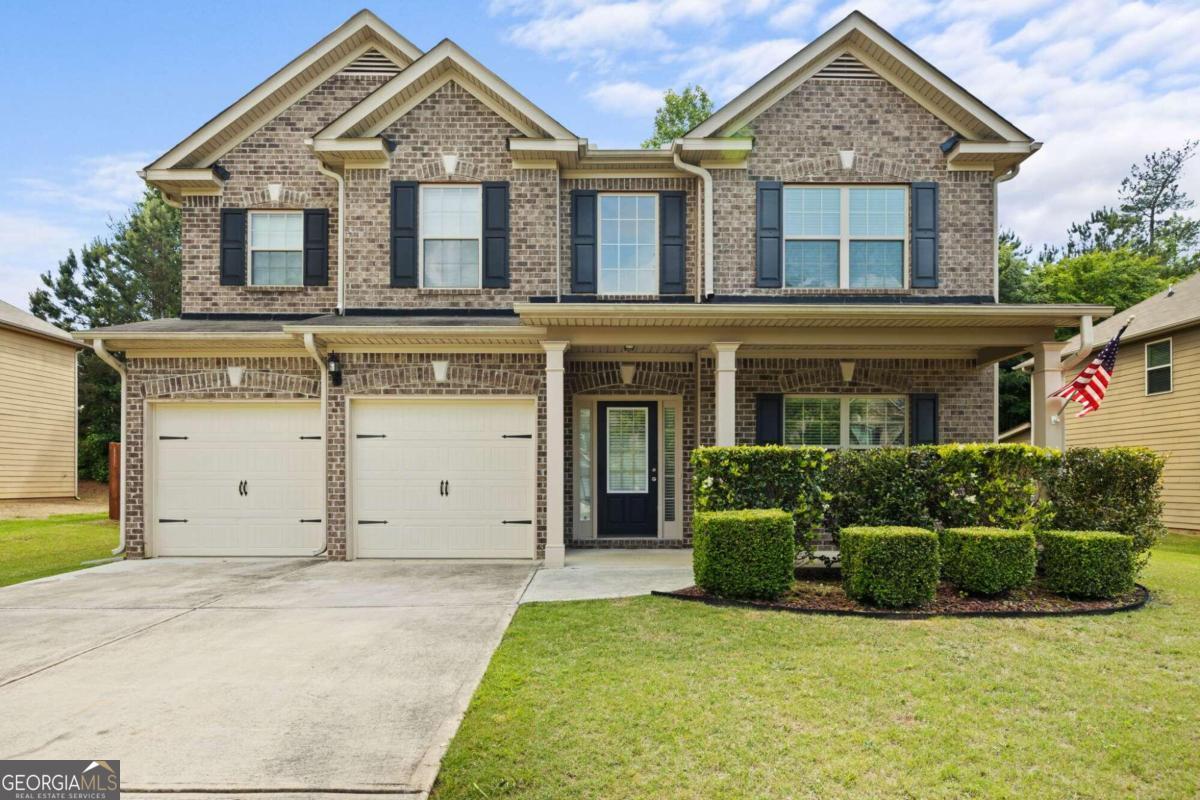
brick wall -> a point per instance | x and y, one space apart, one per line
275 153
895 141
449 122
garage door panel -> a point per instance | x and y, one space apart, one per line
398 478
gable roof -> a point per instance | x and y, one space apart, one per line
1170 309
447 61
14 318
362 33
880 52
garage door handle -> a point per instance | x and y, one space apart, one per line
170 438
516 522
517 436
370 436
310 520
372 522
315 438
172 520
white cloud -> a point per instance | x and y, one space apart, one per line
794 14
627 98
725 73
104 183
596 30
30 245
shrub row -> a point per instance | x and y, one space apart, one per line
949 486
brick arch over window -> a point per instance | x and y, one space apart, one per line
828 168
828 378
465 171
261 199
217 380
609 378
420 376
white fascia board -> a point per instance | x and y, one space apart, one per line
294 68
517 145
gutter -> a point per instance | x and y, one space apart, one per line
310 344
108 358
341 237
706 177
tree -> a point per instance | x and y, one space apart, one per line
1119 278
131 276
679 113
1014 268
1152 189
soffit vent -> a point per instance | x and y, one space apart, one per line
846 67
372 62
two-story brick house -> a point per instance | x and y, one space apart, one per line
421 318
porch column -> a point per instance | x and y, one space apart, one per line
555 453
726 399
1048 429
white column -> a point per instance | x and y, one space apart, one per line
1048 429
726 399
555 453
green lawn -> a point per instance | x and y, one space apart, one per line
35 548
655 698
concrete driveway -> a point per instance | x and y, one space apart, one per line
251 676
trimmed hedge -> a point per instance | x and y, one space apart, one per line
1100 564
988 561
1109 489
880 486
988 485
769 476
892 567
746 554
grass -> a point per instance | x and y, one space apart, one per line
651 697
35 548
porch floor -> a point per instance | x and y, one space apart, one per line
593 574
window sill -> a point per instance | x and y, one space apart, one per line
278 288
449 291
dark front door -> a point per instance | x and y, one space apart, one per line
628 469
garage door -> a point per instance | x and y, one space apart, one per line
237 479
443 478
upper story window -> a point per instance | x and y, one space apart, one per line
845 421
1158 367
845 237
628 244
450 236
276 248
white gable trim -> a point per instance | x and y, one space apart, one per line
363 20
824 49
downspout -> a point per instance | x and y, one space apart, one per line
310 344
706 177
108 358
341 237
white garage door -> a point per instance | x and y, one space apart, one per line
443 478
237 479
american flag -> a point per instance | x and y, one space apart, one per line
1089 386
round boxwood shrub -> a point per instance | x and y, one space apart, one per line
1099 564
988 561
745 554
892 567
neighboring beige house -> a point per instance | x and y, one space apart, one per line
1154 398
38 407
422 318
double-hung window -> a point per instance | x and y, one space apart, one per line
628 244
276 248
1158 367
845 237
450 236
841 422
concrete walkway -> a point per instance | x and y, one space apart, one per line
592 574
252 677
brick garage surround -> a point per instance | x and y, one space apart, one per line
662 378
275 153
450 122
895 140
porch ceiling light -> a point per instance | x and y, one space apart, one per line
334 363
440 370
847 371
235 375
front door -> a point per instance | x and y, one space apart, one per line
627 466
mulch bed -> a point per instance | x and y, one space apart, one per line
825 596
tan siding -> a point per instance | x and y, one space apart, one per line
1168 423
37 417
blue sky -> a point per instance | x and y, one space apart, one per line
99 89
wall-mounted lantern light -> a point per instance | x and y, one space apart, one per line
335 369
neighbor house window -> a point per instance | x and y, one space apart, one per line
628 244
1158 367
845 237
276 248
855 422
450 236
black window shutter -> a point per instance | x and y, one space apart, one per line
923 410
925 235
404 234
583 242
316 247
233 246
769 235
672 242
768 428
495 235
